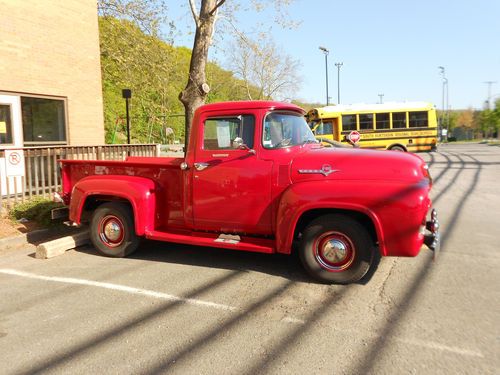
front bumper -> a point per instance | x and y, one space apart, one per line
432 239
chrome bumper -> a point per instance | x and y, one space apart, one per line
432 239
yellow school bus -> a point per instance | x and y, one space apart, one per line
408 126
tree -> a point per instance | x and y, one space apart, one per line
466 118
197 89
261 64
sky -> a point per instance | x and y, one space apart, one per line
389 47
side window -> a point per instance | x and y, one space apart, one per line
325 128
219 133
366 121
5 124
382 121
418 119
348 122
399 120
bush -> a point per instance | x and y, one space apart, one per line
36 209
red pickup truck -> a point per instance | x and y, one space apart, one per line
254 178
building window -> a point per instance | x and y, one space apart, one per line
348 122
366 121
220 132
5 125
418 119
399 120
44 120
382 121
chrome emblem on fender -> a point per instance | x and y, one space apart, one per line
325 170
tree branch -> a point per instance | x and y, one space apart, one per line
217 6
194 12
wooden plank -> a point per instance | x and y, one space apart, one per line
49 171
29 181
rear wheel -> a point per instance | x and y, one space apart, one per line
398 148
112 230
336 249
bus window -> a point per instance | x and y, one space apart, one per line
325 128
366 121
348 122
399 120
418 120
382 121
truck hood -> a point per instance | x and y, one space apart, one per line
357 164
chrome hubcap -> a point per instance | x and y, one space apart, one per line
113 231
334 251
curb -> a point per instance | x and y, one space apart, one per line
25 238
60 245
36 236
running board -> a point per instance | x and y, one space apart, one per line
224 241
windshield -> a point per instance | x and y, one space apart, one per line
286 129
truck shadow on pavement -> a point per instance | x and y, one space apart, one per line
280 265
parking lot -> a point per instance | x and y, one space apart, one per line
186 310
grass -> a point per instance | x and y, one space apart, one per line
36 209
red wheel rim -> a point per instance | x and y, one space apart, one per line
111 231
334 251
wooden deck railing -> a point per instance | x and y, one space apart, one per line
42 176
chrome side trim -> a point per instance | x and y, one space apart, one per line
325 170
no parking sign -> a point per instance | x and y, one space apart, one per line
14 162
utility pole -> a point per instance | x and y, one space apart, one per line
381 96
489 83
338 65
326 52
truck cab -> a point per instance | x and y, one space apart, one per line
255 179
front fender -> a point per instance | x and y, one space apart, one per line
138 191
396 210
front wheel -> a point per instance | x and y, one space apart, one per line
112 230
336 249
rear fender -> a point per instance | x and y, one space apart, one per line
300 198
138 191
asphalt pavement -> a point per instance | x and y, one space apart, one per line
186 310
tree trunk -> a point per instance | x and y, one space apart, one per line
193 96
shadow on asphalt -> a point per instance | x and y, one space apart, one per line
281 265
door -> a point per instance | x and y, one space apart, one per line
231 185
11 137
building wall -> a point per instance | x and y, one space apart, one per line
51 47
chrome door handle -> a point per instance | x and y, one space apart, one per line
201 166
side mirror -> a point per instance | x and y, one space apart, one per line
239 145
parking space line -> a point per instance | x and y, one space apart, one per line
119 288
437 346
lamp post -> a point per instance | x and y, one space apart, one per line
326 52
381 96
442 71
127 94
338 65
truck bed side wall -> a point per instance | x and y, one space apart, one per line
165 178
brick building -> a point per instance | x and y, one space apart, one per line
50 77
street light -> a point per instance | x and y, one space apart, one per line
326 52
444 114
338 65
381 96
